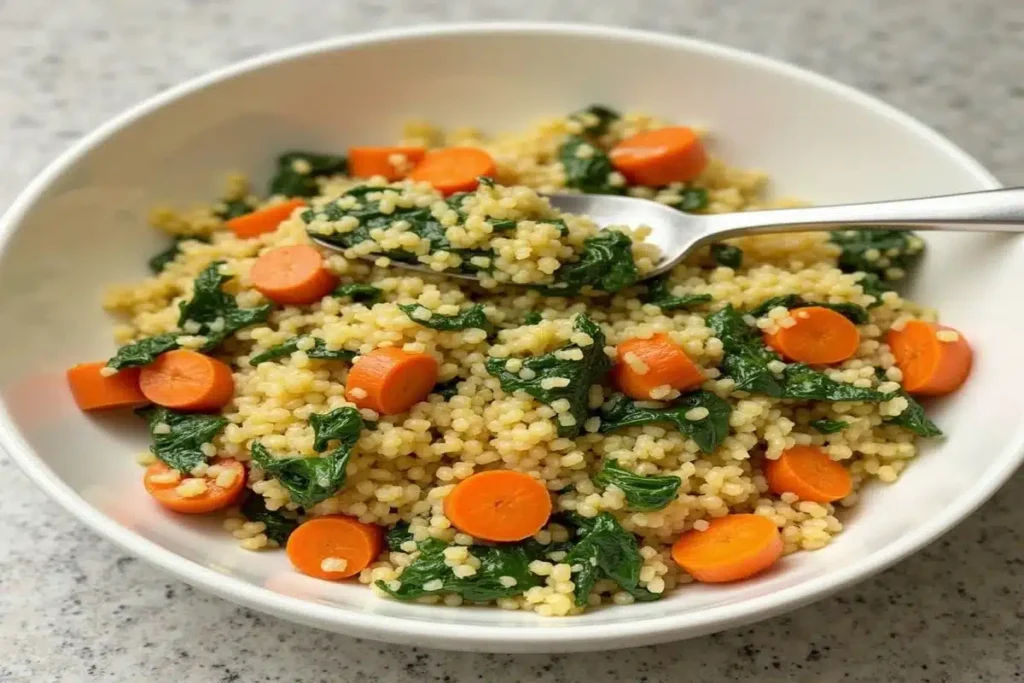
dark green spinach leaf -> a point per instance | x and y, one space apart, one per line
143 352
210 304
858 315
643 493
279 526
914 418
448 389
604 116
588 173
367 294
605 263
826 426
691 199
802 382
160 260
580 373
746 357
605 550
532 318
233 208
660 294
341 424
397 536
290 182
181 447
708 432
472 317
727 255
877 251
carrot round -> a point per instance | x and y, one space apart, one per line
162 483
187 380
390 381
366 162
661 156
808 472
930 365
294 275
732 548
94 391
666 364
499 505
264 220
334 547
454 169
820 336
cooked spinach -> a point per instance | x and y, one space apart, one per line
588 173
143 352
216 311
826 426
581 374
367 294
747 360
914 418
532 318
642 492
877 251
472 317
291 182
278 526
708 432
447 390
604 549
659 293
605 263
396 536
311 480
872 285
727 255
233 208
858 315
496 562
181 447
692 199
604 115
319 351
160 260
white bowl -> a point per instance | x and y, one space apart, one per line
81 225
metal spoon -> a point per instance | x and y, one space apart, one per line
677 233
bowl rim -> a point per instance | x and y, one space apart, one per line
554 637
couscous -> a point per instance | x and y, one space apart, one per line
563 433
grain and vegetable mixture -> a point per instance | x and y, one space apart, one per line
560 435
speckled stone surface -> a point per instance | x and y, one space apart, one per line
74 608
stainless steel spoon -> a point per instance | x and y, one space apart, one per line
677 234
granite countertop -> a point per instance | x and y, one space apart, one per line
75 608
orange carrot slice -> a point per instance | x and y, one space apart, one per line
162 483
94 391
334 547
265 220
931 366
366 162
499 505
391 381
808 472
454 169
732 548
645 364
294 275
820 337
661 156
187 380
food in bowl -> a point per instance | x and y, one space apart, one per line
561 434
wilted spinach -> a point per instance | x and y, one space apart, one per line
604 118
581 374
318 351
605 263
603 549
290 182
160 260
708 432
233 208
659 293
588 173
826 426
858 315
642 492
143 352
278 526
802 382
447 390
472 317
215 311
181 447
877 251
691 199
914 418
532 318
727 255
367 294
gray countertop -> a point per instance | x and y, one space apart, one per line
75 608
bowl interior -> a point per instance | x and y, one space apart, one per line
84 227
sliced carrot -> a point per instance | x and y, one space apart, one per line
808 472
334 547
94 391
454 169
366 162
666 365
162 483
264 220
732 548
820 336
187 380
661 156
294 275
499 505
390 381
930 366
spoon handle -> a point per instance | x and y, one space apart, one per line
988 211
